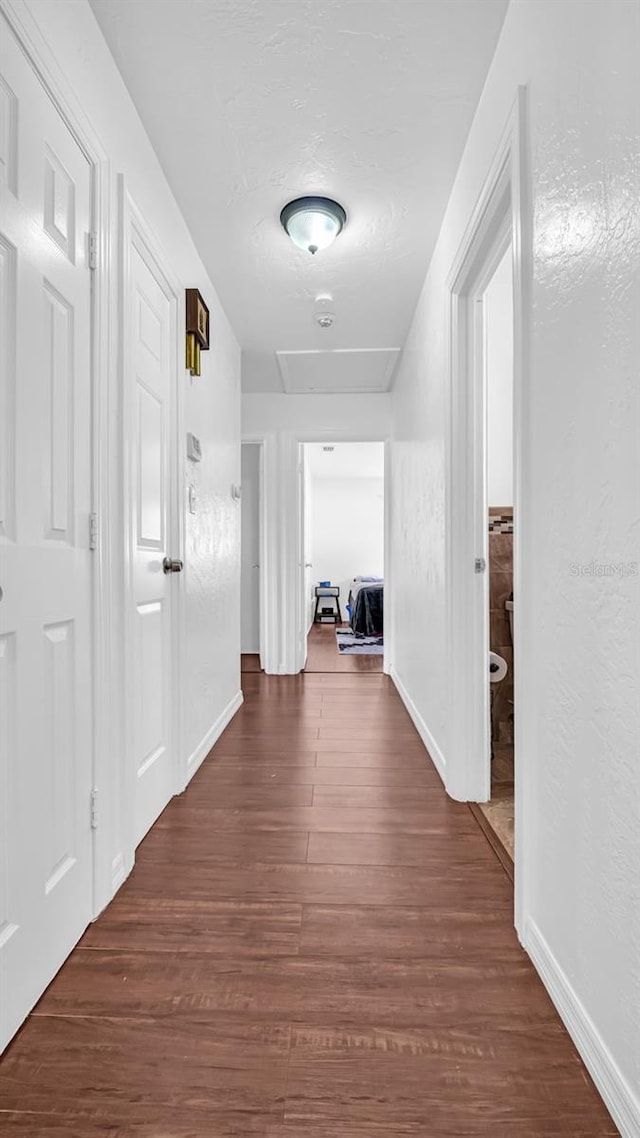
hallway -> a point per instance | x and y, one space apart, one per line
315 940
323 654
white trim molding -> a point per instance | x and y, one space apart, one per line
260 442
269 550
118 873
199 753
618 1096
434 751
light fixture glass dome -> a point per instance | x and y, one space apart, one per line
313 223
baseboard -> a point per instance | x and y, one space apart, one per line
435 754
199 754
616 1093
118 873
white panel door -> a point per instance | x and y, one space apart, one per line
152 370
45 503
250 549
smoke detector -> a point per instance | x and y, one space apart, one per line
324 319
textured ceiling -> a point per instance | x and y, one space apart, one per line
250 103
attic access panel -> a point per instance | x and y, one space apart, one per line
338 371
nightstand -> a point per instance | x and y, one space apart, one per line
329 611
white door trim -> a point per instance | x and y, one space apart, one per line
268 621
105 741
134 232
503 199
260 443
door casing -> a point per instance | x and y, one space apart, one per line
266 637
259 512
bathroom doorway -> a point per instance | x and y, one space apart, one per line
497 814
482 524
497 236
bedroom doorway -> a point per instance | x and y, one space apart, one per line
343 555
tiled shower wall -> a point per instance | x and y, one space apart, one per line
500 589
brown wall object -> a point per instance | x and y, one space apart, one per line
197 329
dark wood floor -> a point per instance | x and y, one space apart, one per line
315 943
323 654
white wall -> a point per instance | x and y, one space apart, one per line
348 530
75 49
498 301
333 416
283 420
580 649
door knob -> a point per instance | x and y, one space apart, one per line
171 565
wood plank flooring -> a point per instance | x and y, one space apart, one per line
323 654
315 943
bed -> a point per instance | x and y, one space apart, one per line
366 606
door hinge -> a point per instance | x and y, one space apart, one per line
93 251
93 531
94 809
480 565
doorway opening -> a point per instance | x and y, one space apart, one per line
497 360
251 650
343 554
489 282
483 495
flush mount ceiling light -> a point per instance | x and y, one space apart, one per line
313 223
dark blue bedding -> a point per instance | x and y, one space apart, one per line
367 610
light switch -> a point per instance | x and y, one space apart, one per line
194 449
